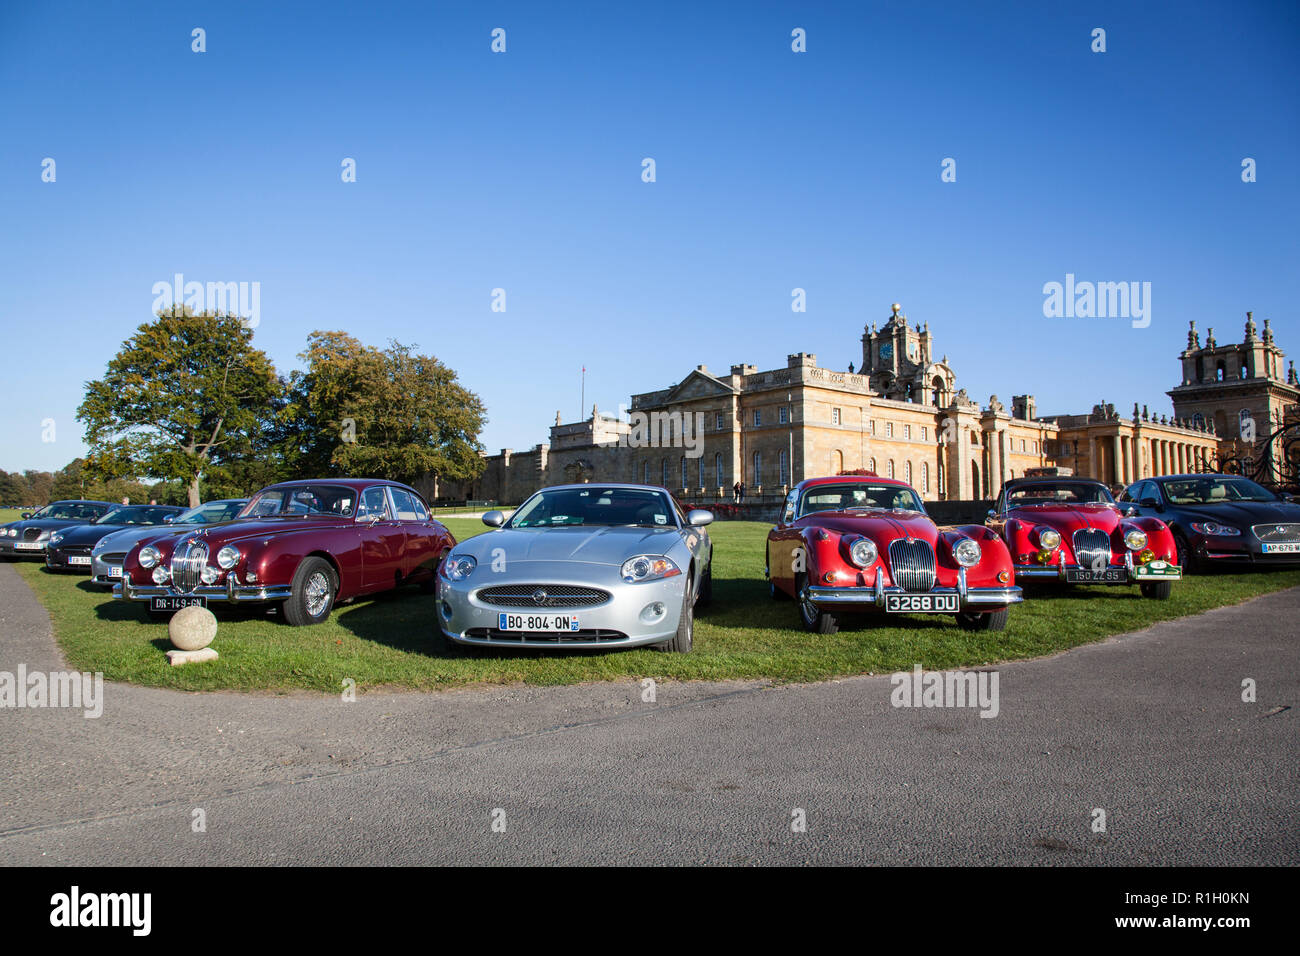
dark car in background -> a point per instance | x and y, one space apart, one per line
27 537
1220 519
68 549
110 551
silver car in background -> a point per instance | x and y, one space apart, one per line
589 565
110 551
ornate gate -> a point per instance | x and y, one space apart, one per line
1273 462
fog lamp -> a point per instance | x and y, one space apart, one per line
654 611
1004 577
1146 556
160 575
209 575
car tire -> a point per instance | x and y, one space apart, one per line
814 619
990 621
1184 554
1158 590
313 589
684 639
706 589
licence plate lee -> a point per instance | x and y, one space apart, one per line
176 603
114 572
1288 547
28 546
921 603
1109 576
78 559
537 622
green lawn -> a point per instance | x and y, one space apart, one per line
390 641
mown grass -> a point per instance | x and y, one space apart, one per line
390 641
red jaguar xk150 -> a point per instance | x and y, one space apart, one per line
306 545
1070 529
853 543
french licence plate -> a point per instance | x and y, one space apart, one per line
537 622
28 546
922 603
176 603
78 559
1109 576
1289 547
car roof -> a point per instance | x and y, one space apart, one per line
606 484
841 479
356 484
1052 480
80 501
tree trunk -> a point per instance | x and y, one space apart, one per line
195 501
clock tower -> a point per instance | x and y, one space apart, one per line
899 363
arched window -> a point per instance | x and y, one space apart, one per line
925 478
890 468
758 468
907 472
871 466
717 464
837 462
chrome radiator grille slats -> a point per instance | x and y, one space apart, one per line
188 562
911 563
1277 532
1091 548
542 595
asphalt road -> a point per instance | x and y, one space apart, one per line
1149 727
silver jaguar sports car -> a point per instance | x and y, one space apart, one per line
590 565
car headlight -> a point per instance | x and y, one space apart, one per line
1135 540
460 566
863 552
160 575
13 532
56 538
209 575
966 552
149 556
228 557
1216 529
647 567
1049 538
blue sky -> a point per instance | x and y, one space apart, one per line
522 171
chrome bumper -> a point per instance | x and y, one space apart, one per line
1130 569
213 592
875 594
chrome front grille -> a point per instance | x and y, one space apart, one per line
912 564
31 534
115 559
188 561
542 595
1277 532
1091 548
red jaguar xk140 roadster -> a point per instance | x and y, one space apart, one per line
306 545
853 543
1070 530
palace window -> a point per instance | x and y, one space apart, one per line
717 464
758 468
907 472
889 429
890 468
871 466
645 473
835 416
718 422
907 431
783 415
1022 444
758 416
783 477
873 426
925 478
686 474
663 473
925 433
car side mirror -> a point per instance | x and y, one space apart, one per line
698 518
27 514
167 519
1131 512
494 519
1151 503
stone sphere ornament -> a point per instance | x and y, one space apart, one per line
192 628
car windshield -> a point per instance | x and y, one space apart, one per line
1059 493
70 510
302 500
1214 490
594 506
858 495
136 514
210 512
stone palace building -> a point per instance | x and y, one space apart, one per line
900 415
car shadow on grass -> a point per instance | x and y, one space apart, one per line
747 604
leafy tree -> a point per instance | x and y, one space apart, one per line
389 413
184 395
38 484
